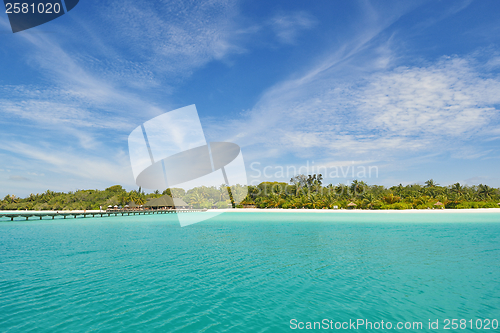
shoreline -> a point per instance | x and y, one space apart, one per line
273 210
364 211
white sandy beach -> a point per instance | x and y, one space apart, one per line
334 211
280 210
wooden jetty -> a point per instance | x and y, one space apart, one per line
93 213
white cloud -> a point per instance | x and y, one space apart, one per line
113 168
493 63
19 178
59 113
449 98
100 90
288 26
388 113
172 37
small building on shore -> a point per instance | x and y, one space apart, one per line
180 204
133 206
439 205
249 205
166 202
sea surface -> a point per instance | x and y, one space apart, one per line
250 272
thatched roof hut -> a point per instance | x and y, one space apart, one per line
166 201
351 205
179 203
132 204
439 205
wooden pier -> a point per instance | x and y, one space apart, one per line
91 213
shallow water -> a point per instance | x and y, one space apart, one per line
247 272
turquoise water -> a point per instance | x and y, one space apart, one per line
247 272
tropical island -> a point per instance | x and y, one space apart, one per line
302 192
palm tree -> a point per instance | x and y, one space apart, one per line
11 198
274 201
302 202
430 183
369 199
457 188
223 192
391 198
358 187
485 191
398 189
124 198
196 199
342 190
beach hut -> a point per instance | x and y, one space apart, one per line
351 205
167 202
132 205
180 204
439 205
249 205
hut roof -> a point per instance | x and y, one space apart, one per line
438 204
178 202
351 204
132 204
163 201
166 201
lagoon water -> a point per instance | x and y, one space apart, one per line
247 272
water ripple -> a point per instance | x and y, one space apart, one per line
251 275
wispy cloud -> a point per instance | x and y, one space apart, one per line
449 98
288 26
19 178
355 100
114 168
93 95
386 114
172 37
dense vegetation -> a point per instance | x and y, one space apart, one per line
309 192
201 197
302 192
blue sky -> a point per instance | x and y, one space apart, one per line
410 87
